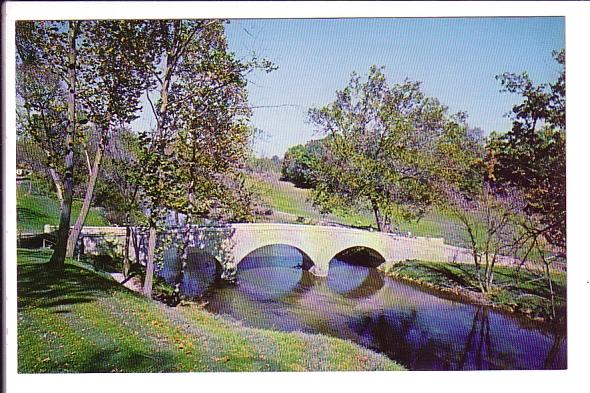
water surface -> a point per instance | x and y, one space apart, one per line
407 323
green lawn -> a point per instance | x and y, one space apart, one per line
526 292
82 321
35 210
285 197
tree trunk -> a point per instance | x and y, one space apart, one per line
75 232
126 261
137 239
149 268
376 212
58 185
548 272
182 255
58 258
128 233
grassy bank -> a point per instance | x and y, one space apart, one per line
82 321
521 291
34 210
284 197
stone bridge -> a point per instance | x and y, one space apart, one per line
231 243
320 244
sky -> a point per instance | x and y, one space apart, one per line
456 59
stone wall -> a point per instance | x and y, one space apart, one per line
109 241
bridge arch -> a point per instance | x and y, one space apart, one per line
361 255
281 277
202 255
202 269
306 262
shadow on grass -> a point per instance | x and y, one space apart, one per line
527 282
465 280
110 360
40 287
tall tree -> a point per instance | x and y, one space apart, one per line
42 117
77 80
187 163
113 70
60 51
384 148
531 156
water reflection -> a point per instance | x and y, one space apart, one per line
554 359
411 326
201 272
352 281
274 272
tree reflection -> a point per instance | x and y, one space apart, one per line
478 345
551 360
390 332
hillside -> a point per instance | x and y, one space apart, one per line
35 209
83 321
289 202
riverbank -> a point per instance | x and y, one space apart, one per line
84 321
524 292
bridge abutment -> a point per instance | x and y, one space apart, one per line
319 271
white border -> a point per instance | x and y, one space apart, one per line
578 65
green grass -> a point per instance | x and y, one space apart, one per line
80 321
35 210
282 196
523 291
285 197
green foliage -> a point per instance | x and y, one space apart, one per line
531 156
78 81
41 115
299 163
391 148
190 162
114 190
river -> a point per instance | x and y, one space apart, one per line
411 325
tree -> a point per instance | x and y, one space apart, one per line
188 163
92 69
114 70
490 220
384 148
53 46
299 162
296 166
42 119
264 165
531 156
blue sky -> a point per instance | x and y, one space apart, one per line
455 58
